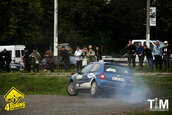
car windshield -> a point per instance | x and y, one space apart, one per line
116 69
87 68
95 68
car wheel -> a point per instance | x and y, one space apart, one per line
70 89
94 89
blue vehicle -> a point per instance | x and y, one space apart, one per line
98 77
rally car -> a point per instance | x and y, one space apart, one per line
98 77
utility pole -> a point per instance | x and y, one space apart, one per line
55 27
148 24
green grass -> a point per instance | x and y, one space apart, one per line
42 84
160 86
145 69
34 84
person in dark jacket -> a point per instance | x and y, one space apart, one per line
65 58
166 55
98 53
35 60
49 60
6 59
148 53
131 53
26 60
1 61
139 52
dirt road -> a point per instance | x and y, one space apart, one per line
80 105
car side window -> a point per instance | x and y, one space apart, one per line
87 68
95 68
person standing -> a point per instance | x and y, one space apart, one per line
92 54
49 60
98 53
1 61
6 59
26 60
148 53
90 47
166 55
85 57
65 58
131 53
157 52
78 55
139 52
35 58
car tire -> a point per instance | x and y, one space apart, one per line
94 89
70 89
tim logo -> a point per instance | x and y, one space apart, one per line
158 104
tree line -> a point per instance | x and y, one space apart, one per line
81 22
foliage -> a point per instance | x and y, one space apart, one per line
81 22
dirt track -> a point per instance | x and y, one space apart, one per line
80 105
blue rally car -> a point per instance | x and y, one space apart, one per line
99 77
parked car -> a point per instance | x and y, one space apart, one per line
98 77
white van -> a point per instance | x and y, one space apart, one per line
152 43
16 52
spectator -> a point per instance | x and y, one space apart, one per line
148 53
6 59
78 54
65 58
131 50
98 54
85 57
166 55
1 61
170 46
139 52
157 51
49 60
26 60
90 47
92 55
35 58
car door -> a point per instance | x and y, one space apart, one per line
81 78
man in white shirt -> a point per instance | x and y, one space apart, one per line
78 56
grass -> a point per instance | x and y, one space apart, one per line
145 69
160 86
34 84
44 84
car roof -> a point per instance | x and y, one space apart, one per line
139 40
110 63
